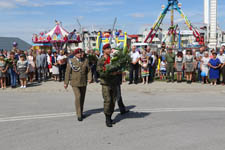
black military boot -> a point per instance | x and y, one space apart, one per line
124 111
108 121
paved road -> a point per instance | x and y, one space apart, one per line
163 117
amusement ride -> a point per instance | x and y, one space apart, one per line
173 5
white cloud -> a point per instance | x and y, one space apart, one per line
21 1
107 3
28 3
58 3
24 13
7 4
137 15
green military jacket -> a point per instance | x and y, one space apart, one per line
77 72
170 58
111 80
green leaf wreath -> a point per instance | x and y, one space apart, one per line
119 63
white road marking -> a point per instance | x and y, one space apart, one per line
153 110
32 117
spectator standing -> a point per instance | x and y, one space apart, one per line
30 59
18 53
179 66
163 69
49 60
149 55
214 64
5 53
144 67
211 54
93 59
199 56
189 66
22 69
41 63
163 52
170 60
12 69
154 64
221 57
62 59
205 68
3 71
55 67
134 67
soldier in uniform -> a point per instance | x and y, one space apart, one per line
78 69
109 85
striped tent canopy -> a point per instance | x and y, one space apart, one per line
56 35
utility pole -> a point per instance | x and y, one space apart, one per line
82 34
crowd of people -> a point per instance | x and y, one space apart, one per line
190 65
18 68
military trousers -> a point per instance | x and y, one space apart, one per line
120 100
170 69
79 93
109 94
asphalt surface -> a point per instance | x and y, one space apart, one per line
162 117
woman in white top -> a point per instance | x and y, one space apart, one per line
61 60
205 67
30 59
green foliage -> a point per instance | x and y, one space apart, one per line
119 63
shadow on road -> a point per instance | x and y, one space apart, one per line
130 115
34 84
88 113
93 111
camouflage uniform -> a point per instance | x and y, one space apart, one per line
109 88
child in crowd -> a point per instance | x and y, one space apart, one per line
163 69
144 67
23 69
3 69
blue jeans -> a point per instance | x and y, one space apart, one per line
199 75
13 76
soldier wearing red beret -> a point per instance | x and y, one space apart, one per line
109 85
79 70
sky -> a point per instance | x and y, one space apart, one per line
22 18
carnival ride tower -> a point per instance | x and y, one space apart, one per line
173 5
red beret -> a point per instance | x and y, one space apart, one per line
78 50
106 46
